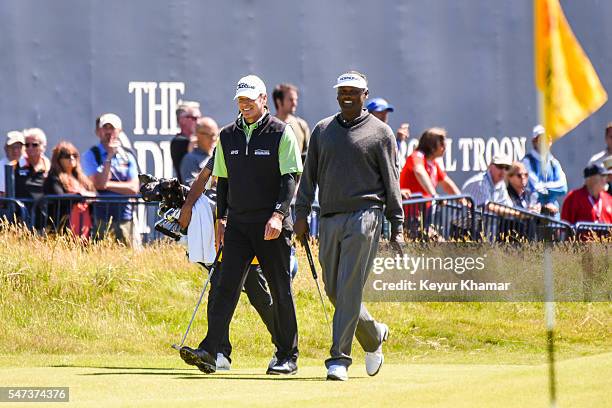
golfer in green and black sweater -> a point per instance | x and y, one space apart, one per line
351 158
257 162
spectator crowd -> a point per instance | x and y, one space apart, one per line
109 168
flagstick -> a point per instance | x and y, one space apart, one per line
550 323
549 289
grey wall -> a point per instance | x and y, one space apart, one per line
467 66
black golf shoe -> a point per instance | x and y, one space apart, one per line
273 361
283 367
200 358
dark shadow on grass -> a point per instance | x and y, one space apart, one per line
139 373
250 377
196 375
116 368
257 377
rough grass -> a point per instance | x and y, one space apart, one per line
59 297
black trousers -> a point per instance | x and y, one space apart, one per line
256 288
242 242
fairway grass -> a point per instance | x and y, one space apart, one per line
139 381
100 319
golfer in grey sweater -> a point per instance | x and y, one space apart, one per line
351 158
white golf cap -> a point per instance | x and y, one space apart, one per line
537 131
14 136
250 86
501 160
110 119
351 79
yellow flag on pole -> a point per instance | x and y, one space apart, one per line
569 86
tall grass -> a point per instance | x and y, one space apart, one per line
61 297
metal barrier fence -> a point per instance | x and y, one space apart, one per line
12 210
439 218
587 230
501 223
57 213
425 219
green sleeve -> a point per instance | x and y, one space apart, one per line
219 169
289 157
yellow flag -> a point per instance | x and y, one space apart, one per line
570 88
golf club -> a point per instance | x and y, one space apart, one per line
314 275
210 273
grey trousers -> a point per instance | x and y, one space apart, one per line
347 247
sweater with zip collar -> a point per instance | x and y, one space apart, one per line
353 163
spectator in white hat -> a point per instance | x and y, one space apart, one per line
114 172
549 185
490 185
13 148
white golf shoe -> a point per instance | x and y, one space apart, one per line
374 360
223 364
337 373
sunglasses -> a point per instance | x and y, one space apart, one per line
522 175
32 144
69 156
502 167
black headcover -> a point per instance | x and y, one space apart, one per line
171 195
168 192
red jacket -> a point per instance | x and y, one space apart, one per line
579 206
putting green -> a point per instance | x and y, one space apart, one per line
133 382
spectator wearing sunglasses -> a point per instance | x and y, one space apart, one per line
66 177
490 186
550 184
518 190
187 114
32 169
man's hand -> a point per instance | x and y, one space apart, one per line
536 208
221 223
273 227
185 217
396 239
112 147
300 228
550 207
402 132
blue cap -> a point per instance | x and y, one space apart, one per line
379 105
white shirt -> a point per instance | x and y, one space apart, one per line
3 162
482 190
599 157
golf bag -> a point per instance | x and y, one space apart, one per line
170 194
